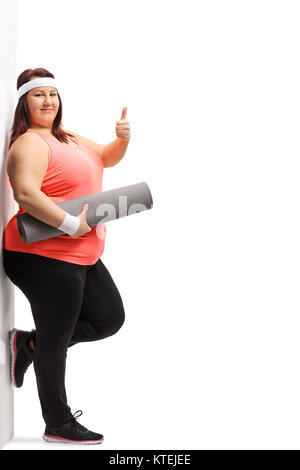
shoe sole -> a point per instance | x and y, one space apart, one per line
62 440
13 354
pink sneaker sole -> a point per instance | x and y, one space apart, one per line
62 440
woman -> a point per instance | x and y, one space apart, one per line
72 296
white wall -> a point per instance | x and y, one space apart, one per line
8 55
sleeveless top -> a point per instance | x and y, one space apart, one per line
72 172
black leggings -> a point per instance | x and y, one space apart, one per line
70 303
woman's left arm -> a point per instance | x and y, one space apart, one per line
114 152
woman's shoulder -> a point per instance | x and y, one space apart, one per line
30 139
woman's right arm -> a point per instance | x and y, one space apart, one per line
28 163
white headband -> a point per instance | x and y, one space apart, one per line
37 82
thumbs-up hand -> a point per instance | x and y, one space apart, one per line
123 127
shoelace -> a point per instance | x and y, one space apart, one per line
75 423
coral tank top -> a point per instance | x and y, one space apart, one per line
72 172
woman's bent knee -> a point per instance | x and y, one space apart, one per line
118 322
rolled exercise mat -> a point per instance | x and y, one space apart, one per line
108 205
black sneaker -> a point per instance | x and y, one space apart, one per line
72 433
21 354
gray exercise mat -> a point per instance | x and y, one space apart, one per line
103 207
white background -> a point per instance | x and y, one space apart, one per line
208 356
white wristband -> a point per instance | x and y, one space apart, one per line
70 224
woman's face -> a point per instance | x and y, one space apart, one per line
37 100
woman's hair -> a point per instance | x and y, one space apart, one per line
21 118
